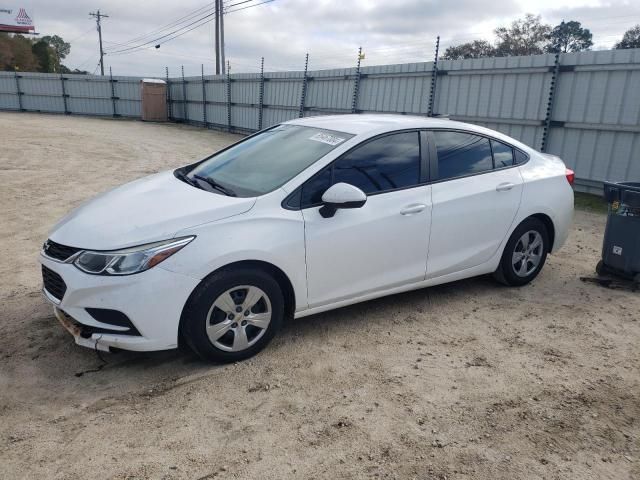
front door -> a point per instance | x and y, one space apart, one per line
380 245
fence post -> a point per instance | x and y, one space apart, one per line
113 93
64 95
204 98
228 96
184 97
18 92
261 94
303 95
552 91
356 84
166 69
434 77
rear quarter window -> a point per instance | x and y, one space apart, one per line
520 156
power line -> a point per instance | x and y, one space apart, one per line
182 19
178 31
249 6
155 40
80 36
150 46
226 7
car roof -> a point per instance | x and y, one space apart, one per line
377 123
358 124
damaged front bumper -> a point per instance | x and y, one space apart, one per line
81 336
151 302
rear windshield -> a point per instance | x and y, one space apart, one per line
269 159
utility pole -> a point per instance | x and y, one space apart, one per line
217 42
98 16
221 37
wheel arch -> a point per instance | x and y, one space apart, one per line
283 281
548 223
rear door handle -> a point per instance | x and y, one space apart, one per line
413 209
505 187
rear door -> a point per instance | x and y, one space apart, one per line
476 196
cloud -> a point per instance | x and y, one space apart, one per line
330 30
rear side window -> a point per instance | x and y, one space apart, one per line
502 154
387 163
461 154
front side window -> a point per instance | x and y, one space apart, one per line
267 160
313 189
386 163
461 154
383 164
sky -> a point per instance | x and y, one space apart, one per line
283 31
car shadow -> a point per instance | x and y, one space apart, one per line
130 371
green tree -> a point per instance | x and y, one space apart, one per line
18 52
526 36
569 37
60 48
630 39
475 49
45 56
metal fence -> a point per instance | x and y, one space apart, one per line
583 107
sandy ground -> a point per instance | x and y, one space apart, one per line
465 381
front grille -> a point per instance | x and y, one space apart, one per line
58 251
53 283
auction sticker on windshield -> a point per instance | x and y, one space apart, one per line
326 138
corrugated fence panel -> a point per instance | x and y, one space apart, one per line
7 83
597 116
331 90
127 91
395 88
594 124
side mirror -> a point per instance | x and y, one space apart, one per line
341 195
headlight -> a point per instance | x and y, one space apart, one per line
129 260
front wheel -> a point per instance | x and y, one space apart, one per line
525 253
232 315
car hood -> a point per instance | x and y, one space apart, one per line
150 209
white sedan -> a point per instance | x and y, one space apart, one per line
304 217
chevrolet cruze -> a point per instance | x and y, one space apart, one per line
306 216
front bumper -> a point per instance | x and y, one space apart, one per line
153 300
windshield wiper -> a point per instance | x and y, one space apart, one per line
212 183
183 176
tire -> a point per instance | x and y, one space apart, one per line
600 270
511 271
223 322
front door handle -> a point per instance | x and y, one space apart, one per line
413 209
505 187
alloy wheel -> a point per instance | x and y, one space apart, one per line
527 253
238 318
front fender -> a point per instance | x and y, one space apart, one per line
278 240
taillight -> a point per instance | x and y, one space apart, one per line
571 176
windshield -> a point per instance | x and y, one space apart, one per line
266 161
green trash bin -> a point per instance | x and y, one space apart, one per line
621 245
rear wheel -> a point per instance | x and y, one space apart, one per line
233 315
525 253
